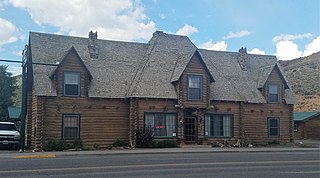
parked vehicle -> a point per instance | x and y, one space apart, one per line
9 135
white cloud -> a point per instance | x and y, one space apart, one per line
113 19
218 46
8 32
14 70
288 50
187 30
239 34
289 37
257 51
312 47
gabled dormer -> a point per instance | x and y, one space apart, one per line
273 84
194 82
71 77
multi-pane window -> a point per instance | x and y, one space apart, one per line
71 83
194 87
218 125
71 124
273 93
273 127
162 124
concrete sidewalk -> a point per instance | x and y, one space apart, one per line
12 154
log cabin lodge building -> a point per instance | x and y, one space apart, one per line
104 90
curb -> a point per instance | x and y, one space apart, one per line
130 152
36 156
149 151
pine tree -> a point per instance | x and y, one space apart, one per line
7 91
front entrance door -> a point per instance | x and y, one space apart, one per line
190 129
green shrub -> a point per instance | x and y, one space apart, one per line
144 138
55 145
76 144
60 145
120 143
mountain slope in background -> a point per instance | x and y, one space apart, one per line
303 75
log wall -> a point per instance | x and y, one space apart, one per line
195 67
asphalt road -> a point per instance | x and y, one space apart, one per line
233 164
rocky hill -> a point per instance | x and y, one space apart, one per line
303 75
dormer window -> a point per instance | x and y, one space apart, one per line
274 93
71 85
194 87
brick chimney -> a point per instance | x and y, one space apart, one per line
242 58
92 46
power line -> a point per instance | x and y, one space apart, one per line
36 63
8 60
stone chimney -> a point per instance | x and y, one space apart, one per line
242 58
92 46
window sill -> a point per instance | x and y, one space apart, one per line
164 137
218 137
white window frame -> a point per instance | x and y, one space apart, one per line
200 88
65 83
270 94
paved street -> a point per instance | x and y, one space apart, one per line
179 164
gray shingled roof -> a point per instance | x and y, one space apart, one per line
112 72
126 69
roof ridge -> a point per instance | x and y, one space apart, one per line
143 62
232 84
86 38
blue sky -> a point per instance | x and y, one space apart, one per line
286 28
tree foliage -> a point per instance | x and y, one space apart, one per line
7 91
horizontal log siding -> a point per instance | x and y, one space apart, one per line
221 107
195 67
34 119
312 128
255 120
299 134
102 121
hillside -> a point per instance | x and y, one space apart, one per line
303 75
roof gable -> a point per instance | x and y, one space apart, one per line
112 72
166 58
179 69
72 50
265 72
